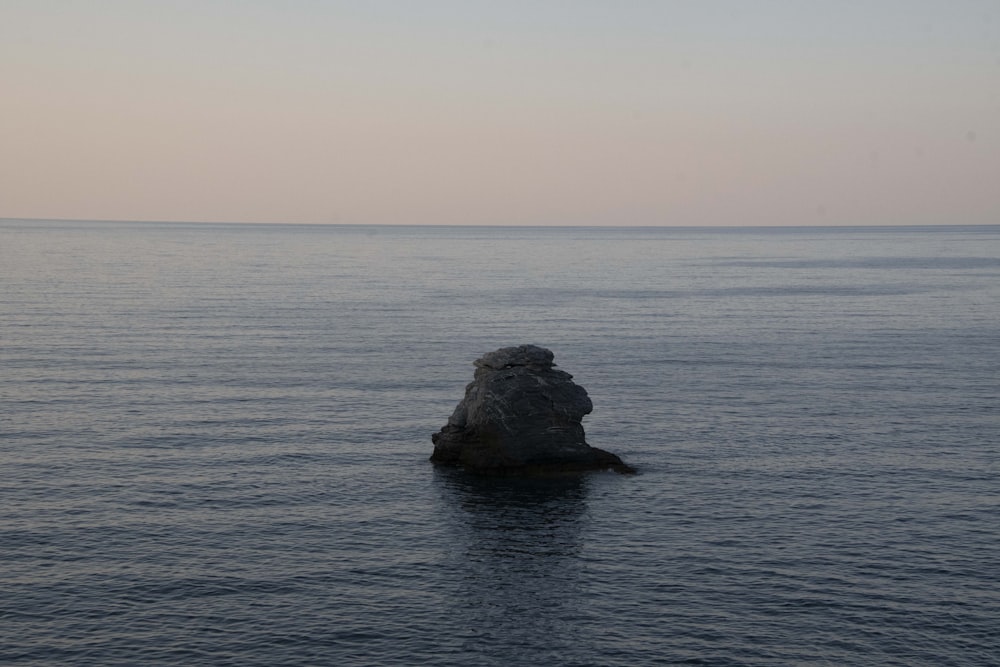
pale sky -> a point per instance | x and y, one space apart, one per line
625 112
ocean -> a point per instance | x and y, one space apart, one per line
214 443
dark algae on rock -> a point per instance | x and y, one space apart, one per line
520 414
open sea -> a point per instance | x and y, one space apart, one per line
214 443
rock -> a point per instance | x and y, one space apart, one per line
521 414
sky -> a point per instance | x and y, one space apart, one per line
512 112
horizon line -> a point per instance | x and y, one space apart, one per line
489 226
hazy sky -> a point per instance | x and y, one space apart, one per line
631 112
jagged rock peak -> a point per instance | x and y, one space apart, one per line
531 356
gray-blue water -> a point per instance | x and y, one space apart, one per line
214 444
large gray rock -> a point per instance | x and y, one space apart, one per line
520 414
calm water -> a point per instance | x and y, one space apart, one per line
214 446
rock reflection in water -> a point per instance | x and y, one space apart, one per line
517 564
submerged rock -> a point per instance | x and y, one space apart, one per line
521 414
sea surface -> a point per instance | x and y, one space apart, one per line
214 443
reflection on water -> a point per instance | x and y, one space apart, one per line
517 561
